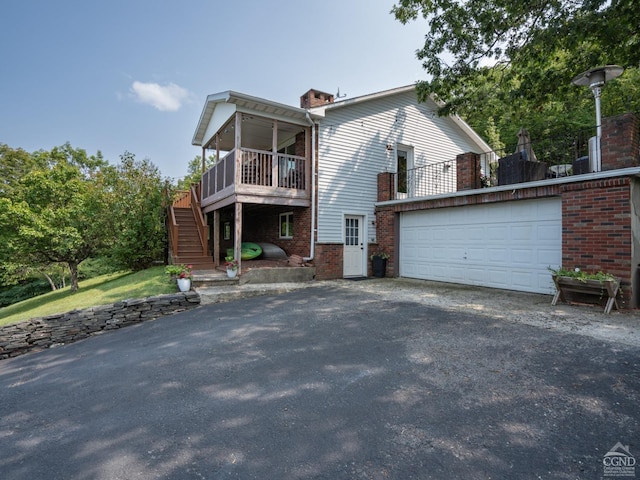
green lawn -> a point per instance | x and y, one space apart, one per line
101 290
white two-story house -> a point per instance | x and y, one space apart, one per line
306 178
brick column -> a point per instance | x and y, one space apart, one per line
386 187
620 142
468 171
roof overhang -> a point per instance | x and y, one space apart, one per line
219 108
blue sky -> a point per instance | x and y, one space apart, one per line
133 75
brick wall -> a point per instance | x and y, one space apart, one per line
468 171
329 261
264 226
386 234
620 142
596 226
386 186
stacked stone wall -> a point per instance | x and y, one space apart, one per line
44 332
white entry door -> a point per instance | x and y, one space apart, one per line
353 246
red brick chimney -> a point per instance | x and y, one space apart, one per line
315 98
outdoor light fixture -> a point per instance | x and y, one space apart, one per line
595 80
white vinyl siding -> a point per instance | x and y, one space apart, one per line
352 150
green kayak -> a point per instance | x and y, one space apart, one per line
249 251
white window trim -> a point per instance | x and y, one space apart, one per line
280 218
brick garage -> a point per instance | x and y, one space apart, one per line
600 226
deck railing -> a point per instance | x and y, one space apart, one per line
559 157
256 167
431 179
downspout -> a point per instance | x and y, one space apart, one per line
312 247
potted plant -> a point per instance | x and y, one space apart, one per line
182 274
581 282
232 267
379 263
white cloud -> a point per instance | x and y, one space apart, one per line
167 98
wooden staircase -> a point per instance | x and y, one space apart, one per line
189 245
188 237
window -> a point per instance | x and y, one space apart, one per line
286 225
401 167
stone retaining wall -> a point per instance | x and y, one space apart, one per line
43 332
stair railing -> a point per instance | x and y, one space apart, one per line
201 222
172 224
173 233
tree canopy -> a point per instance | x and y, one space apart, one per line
57 211
535 47
64 206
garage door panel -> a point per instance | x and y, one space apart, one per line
549 232
496 232
550 255
495 255
475 255
504 245
523 256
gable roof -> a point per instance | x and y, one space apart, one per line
247 103
464 126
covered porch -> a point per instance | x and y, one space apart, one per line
263 158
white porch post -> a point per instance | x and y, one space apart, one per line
274 150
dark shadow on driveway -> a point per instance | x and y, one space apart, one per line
321 383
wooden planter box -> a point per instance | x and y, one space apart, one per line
602 289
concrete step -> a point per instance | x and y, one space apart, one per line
211 278
227 293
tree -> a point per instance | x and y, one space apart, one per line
58 211
136 190
14 164
535 47
194 171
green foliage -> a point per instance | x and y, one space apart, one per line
503 65
63 206
57 212
137 213
179 271
537 47
23 291
101 290
194 172
580 274
380 254
95 267
14 164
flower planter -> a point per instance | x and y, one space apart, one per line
184 284
231 273
601 288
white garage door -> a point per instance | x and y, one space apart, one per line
503 245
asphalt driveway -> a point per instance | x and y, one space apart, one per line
327 382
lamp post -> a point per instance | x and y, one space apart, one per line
595 79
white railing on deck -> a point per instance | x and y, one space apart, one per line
257 168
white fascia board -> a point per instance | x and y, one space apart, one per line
220 116
471 133
363 98
246 104
205 116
